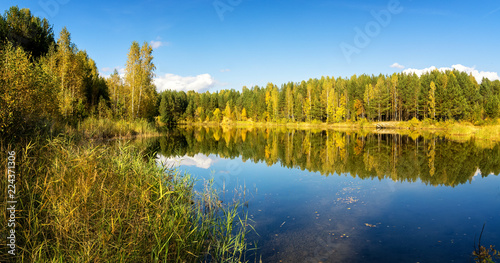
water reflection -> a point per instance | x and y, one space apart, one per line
198 160
372 212
430 159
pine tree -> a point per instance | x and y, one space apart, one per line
368 99
19 27
432 100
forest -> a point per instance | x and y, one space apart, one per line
435 95
44 80
81 200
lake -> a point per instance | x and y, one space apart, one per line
331 196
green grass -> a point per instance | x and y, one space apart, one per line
83 202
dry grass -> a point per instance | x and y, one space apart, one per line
105 128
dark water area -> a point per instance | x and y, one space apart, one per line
329 196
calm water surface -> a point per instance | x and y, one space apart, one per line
329 196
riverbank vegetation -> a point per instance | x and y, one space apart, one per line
81 200
454 130
57 84
84 202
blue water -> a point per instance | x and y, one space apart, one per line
301 216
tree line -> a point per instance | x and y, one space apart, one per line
435 95
44 79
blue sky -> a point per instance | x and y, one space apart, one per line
224 44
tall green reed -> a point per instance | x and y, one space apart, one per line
84 202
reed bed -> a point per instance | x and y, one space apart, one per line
104 128
83 202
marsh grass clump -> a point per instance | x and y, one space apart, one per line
100 128
82 202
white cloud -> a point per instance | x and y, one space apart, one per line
479 75
157 43
420 72
397 65
200 83
107 71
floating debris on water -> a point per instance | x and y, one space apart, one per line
347 200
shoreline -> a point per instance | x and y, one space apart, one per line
453 129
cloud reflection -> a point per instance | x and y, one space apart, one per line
199 160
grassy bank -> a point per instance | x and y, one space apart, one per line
457 130
83 202
105 128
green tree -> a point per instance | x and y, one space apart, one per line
70 74
24 98
369 97
117 93
22 29
432 100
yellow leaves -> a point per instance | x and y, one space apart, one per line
20 86
227 136
243 115
267 152
217 135
217 114
243 135
227 112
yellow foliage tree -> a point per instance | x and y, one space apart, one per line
24 96
243 114
227 112
217 115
